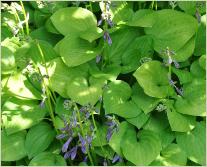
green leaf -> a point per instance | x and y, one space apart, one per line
200 42
183 75
188 7
194 99
172 155
75 51
18 114
153 78
116 100
142 18
39 138
141 48
117 137
110 72
100 139
106 151
186 51
202 61
7 61
172 29
47 50
12 146
145 102
60 75
120 11
140 120
196 70
141 151
186 123
194 143
48 159
40 18
85 91
42 34
17 85
160 127
123 47
76 21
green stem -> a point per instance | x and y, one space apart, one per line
17 17
43 59
94 123
25 17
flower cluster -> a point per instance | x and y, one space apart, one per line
73 129
106 16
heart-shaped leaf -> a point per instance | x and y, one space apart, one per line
172 29
75 51
194 99
12 146
160 127
186 123
153 78
83 91
48 158
18 85
116 99
141 151
172 155
18 114
117 137
76 21
60 75
194 143
142 18
39 138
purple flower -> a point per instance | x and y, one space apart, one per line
72 153
89 140
108 38
66 145
61 136
85 159
116 158
83 143
110 23
99 22
109 134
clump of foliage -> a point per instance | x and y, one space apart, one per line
103 83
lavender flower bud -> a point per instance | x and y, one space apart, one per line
85 159
72 153
110 23
99 22
108 38
83 143
61 136
66 145
177 65
116 158
109 134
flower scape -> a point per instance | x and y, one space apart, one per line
103 83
